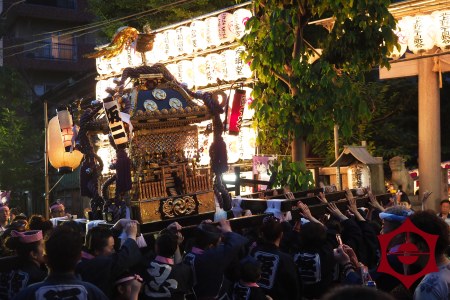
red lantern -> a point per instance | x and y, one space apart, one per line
237 111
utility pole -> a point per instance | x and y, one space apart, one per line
47 183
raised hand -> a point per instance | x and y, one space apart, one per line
322 198
348 194
332 208
374 202
351 254
131 230
305 210
351 201
340 256
224 226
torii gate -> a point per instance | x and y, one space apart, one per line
428 69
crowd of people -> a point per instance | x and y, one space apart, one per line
334 256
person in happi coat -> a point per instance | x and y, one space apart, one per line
26 266
62 253
215 248
100 264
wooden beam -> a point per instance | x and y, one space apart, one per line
413 7
400 69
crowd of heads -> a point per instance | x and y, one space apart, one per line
334 256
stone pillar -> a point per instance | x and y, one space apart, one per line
429 133
377 177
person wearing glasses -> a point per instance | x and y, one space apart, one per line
58 213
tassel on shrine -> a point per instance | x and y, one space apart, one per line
218 154
123 171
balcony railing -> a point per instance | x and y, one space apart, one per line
53 51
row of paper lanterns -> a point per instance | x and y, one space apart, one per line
421 33
238 147
129 57
200 71
203 70
200 35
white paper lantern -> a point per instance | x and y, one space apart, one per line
441 25
173 69
58 156
119 62
170 43
101 86
204 143
241 17
248 142
199 65
159 48
242 69
212 31
214 68
134 58
232 142
184 40
186 72
421 38
358 176
103 65
198 34
150 57
226 27
229 65
106 152
402 31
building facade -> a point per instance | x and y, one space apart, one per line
45 41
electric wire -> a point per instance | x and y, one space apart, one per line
131 17
99 25
44 45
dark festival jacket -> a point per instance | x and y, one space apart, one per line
209 265
279 278
252 291
316 270
352 236
165 280
61 286
17 273
372 248
103 270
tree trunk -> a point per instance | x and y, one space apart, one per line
299 149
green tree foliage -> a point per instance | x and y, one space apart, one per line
390 128
296 97
21 143
294 175
113 9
